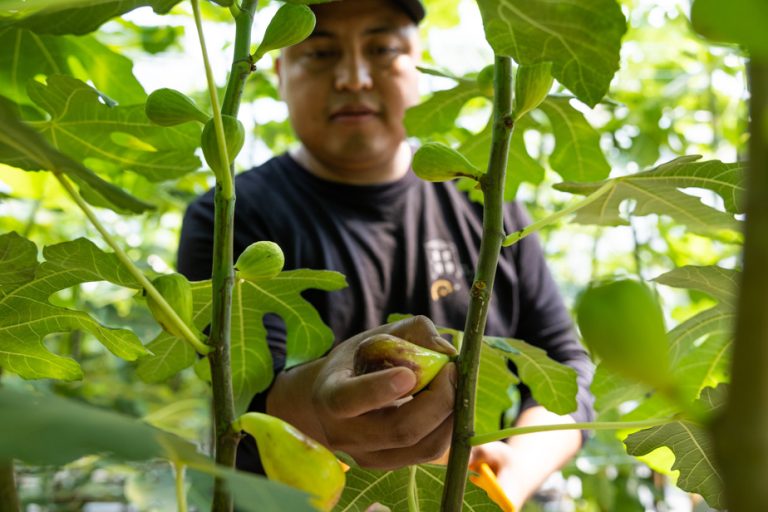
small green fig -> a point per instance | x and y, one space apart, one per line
292 458
485 81
437 162
177 292
234 134
168 107
383 351
260 260
532 85
621 321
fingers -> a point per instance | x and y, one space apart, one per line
420 330
427 450
406 426
345 396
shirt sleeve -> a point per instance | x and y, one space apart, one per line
546 322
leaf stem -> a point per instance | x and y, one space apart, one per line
490 246
181 493
599 425
189 336
413 490
515 237
226 179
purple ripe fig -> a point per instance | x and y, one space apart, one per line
383 351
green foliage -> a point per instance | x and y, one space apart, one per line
114 138
391 488
657 191
552 384
28 316
168 107
582 41
494 383
694 456
45 429
71 16
28 55
439 112
308 337
23 147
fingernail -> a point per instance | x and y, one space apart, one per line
403 382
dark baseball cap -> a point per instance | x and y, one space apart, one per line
413 8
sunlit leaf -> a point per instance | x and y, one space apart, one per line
577 155
494 380
552 384
716 320
307 336
27 56
439 112
390 488
23 147
119 138
26 316
721 283
19 261
657 192
694 456
580 39
71 16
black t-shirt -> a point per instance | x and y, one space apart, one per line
405 247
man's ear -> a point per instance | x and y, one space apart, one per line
277 66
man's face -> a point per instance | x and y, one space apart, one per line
348 85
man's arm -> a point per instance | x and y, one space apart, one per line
523 463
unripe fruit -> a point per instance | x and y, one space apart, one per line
294 459
260 260
621 322
234 134
177 292
383 351
168 107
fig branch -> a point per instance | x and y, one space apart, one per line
492 185
223 274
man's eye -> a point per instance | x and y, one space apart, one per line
321 54
382 51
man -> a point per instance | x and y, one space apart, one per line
345 199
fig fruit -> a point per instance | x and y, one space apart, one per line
177 292
169 107
292 458
260 260
621 321
383 351
234 134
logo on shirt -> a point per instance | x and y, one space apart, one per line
445 274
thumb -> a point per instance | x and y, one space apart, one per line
346 396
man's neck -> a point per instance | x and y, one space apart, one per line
381 172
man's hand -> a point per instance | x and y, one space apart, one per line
363 416
522 463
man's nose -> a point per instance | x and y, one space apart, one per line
353 73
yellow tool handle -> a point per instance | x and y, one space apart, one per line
486 480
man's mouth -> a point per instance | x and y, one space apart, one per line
353 113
